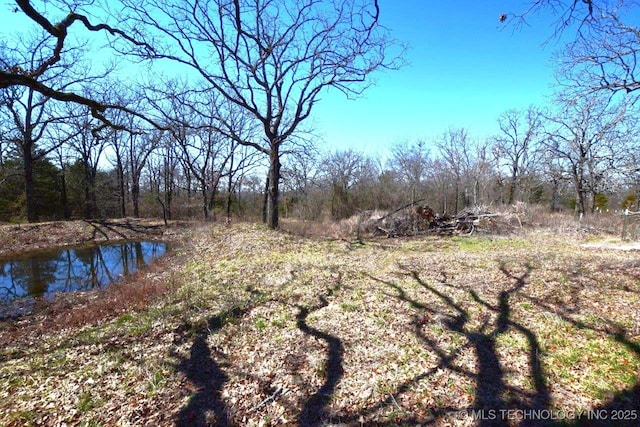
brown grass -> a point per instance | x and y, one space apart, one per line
520 218
269 328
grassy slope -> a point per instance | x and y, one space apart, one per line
269 328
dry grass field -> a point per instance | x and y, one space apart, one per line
257 327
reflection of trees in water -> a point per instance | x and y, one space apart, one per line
101 265
74 269
27 276
139 255
42 272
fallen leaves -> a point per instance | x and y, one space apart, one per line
376 333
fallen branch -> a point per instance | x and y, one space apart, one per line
278 391
400 208
96 228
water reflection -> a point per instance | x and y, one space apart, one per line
44 274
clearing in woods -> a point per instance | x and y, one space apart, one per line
257 327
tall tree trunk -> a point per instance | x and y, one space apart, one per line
89 192
457 191
164 210
230 187
135 196
555 196
229 200
512 188
580 198
168 199
64 200
168 189
187 174
121 186
274 188
29 186
205 211
580 190
27 156
239 199
265 200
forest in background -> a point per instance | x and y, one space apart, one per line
217 125
537 159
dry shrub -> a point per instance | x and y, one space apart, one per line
604 222
344 229
133 293
301 228
522 217
514 219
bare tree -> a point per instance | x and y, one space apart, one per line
62 156
138 150
342 170
272 58
88 148
301 174
584 135
556 174
411 162
208 154
455 151
515 146
29 116
603 53
205 153
242 160
169 173
481 174
118 145
53 53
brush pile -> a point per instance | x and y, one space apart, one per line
410 221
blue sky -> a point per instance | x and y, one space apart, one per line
464 70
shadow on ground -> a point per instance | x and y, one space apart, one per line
314 410
493 396
481 329
202 368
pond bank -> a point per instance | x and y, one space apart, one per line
19 238
134 292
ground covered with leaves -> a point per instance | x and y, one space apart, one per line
266 328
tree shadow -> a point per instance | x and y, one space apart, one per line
541 398
206 407
491 390
623 408
481 332
314 411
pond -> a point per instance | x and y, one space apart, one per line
44 274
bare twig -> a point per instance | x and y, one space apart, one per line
400 208
278 391
97 228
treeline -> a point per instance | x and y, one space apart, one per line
205 114
583 157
